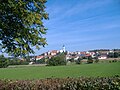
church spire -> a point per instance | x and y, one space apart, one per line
63 48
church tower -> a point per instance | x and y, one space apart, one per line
63 48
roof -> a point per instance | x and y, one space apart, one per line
39 56
103 56
54 51
87 55
82 52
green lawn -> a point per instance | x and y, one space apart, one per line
38 72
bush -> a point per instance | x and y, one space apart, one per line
89 60
96 59
79 61
71 60
3 62
41 61
57 60
82 83
17 61
110 61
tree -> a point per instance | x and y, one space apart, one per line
17 61
111 55
41 61
21 25
3 62
71 60
90 60
116 54
96 59
79 61
57 60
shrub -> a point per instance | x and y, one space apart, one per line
89 60
110 61
79 61
96 59
41 61
71 60
3 62
82 83
17 62
57 60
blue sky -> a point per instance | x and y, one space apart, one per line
82 25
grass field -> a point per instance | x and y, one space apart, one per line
39 72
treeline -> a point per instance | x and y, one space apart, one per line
97 50
5 62
113 55
54 61
82 83
59 59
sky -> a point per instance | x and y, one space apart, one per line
82 25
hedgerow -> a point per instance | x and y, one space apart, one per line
82 83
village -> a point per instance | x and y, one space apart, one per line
101 54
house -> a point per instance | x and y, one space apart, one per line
39 57
76 57
72 57
54 52
92 53
32 58
87 55
68 57
78 52
83 53
45 54
102 57
31 63
49 56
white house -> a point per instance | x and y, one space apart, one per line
54 52
102 57
39 57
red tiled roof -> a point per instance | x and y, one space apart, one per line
54 51
39 56
82 52
87 55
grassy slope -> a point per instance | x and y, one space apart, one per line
103 69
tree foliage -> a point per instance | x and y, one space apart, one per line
57 60
3 62
41 61
81 83
90 60
79 61
113 55
21 25
17 61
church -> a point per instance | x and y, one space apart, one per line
63 49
